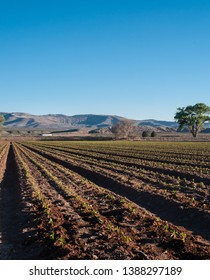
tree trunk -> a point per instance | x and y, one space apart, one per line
194 131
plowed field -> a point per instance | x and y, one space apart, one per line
104 200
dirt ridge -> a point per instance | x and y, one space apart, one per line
192 219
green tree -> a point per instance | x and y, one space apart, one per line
1 121
145 133
153 134
193 117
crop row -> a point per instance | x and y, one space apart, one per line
182 190
4 149
192 151
149 162
194 205
113 221
83 208
199 159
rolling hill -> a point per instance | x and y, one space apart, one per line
59 121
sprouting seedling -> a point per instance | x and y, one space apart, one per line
174 233
118 230
100 221
52 235
201 185
109 196
166 227
122 201
183 236
47 211
109 226
126 238
133 210
50 221
61 241
95 212
85 204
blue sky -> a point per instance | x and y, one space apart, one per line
135 58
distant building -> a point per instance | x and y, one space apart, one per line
47 134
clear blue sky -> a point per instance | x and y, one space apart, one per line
135 58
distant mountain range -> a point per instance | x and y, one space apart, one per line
59 121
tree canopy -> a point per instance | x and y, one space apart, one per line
1 121
122 129
193 117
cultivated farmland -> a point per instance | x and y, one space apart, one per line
104 200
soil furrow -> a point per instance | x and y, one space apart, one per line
193 219
151 243
137 156
81 226
175 173
16 219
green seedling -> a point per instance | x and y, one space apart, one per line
52 235
166 227
109 226
122 201
109 196
126 238
183 236
50 221
174 234
61 241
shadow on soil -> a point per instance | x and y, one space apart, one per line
14 217
193 219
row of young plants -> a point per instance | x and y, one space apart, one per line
4 149
153 154
99 198
87 157
181 190
188 205
81 205
200 171
96 196
50 224
199 151
91 196
161 180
